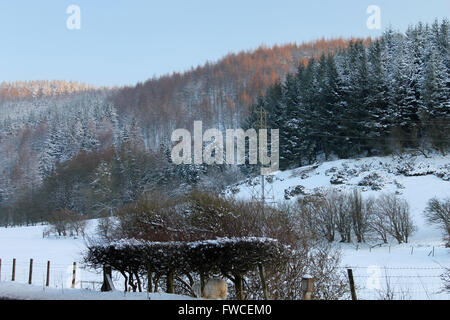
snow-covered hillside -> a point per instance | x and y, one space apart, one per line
415 178
412 269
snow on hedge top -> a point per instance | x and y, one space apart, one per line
126 243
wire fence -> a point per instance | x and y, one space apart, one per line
400 283
56 275
372 282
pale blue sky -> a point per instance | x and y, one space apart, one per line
123 42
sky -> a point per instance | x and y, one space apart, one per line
122 42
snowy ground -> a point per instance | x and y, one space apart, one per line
413 270
20 291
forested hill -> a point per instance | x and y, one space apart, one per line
93 151
388 96
57 138
217 93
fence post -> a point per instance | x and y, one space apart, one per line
74 274
30 274
47 281
13 278
307 287
352 284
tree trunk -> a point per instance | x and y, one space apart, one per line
107 271
263 282
149 280
202 284
238 284
138 282
169 282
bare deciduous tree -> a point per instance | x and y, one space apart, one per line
399 224
438 212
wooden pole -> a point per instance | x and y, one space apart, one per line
352 284
307 287
30 274
47 281
13 278
74 274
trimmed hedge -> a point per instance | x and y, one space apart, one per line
232 257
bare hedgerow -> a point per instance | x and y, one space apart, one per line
66 222
317 259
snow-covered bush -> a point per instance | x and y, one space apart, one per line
232 257
373 180
443 172
338 178
292 192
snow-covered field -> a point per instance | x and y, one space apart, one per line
20 291
413 270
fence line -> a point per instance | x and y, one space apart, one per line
400 282
428 284
26 272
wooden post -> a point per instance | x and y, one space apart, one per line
30 274
47 281
13 278
307 287
74 274
352 284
